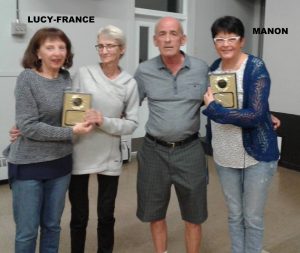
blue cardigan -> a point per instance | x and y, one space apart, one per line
259 137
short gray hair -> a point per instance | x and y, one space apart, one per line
113 32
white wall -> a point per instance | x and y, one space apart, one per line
281 54
209 11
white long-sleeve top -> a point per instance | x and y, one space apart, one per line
100 150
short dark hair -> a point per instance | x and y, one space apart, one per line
228 24
30 58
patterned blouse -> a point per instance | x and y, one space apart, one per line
227 139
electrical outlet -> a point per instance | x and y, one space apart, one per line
18 28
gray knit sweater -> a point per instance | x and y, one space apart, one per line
38 116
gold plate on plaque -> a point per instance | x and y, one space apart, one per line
224 88
75 106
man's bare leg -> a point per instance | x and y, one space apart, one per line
193 235
159 235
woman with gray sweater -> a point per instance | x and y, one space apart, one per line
40 159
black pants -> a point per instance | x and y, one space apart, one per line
78 194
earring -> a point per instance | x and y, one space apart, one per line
38 62
66 61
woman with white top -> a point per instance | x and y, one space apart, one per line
115 107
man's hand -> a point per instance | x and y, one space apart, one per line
276 122
208 96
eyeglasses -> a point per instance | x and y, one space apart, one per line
108 47
230 40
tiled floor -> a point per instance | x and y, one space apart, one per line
282 234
